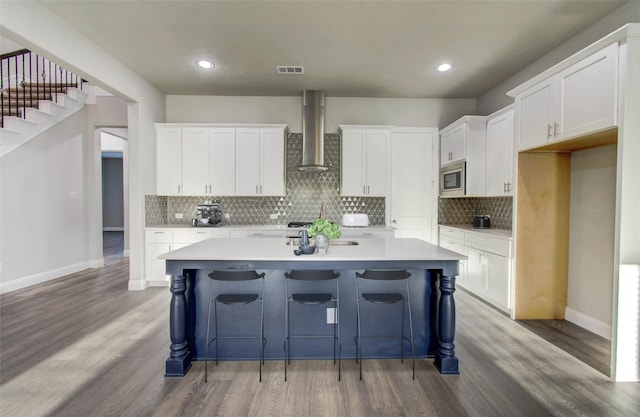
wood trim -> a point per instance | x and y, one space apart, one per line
542 235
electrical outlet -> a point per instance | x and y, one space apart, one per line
179 215
331 315
226 216
273 216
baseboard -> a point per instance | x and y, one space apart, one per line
126 253
113 229
24 282
96 263
159 283
587 322
137 284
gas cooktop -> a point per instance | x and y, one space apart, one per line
299 224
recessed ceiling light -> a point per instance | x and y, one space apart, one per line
444 67
203 63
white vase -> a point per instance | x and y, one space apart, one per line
322 243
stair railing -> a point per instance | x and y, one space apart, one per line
21 77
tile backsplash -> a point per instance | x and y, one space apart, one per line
462 210
305 193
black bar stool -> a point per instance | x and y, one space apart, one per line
385 298
308 298
234 299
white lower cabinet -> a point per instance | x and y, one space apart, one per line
487 271
157 242
162 240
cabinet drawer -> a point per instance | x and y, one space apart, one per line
451 236
196 235
488 244
158 236
258 234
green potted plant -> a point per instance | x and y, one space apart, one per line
323 230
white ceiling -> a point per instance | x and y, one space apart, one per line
347 48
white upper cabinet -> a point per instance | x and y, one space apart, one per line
364 161
465 140
208 161
578 100
195 161
453 144
168 161
260 167
220 160
500 153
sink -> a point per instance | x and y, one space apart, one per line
343 243
293 241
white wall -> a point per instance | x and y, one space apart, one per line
35 27
497 98
339 110
43 206
592 232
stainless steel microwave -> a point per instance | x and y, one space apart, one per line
452 179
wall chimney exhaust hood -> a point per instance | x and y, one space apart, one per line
313 132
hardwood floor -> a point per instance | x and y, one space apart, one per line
83 345
590 348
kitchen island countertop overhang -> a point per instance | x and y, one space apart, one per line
275 254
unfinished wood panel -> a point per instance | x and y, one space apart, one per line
594 140
542 235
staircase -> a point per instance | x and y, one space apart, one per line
29 108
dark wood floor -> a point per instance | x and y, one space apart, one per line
588 347
83 345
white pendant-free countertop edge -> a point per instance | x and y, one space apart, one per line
275 249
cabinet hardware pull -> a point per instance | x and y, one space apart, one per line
504 187
368 190
549 127
178 189
260 188
555 129
205 188
256 189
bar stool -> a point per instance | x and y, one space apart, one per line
234 299
309 298
384 298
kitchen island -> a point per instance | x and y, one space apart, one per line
429 264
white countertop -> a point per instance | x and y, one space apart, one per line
261 227
505 234
275 249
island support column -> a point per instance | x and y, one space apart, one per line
446 360
179 360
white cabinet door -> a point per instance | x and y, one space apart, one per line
353 174
222 161
453 143
376 162
475 278
364 162
500 156
587 94
157 242
535 114
168 161
247 161
272 151
195 161
414 190
498 285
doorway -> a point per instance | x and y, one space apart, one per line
113 148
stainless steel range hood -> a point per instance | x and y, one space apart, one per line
313 132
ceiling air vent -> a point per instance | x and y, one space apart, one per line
290 69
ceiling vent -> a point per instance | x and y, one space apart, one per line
290 69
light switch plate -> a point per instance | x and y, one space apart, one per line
179 215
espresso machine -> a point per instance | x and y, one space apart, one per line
209 214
